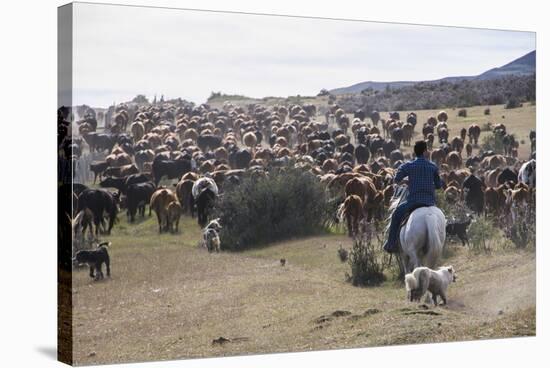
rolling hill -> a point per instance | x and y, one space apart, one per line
524 65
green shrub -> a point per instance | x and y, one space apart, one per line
493 142
513 103
522 232
487 111
463 113
486 127
367 269
285 204
482 234
343 254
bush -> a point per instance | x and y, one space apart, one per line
486 127
285 204
343 254
482 234
487 111
366 267
463 113
323 92
522 232
493 142
513 103
422 95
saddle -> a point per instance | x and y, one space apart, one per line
415 207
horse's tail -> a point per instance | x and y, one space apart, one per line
340 214
435 223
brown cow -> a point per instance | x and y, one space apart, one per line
160 200
454 160
474 131
457 144
185 197
351 211
174 211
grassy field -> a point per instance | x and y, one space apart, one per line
169 299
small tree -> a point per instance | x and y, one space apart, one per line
513 103
140 99
366 267
260 210
323 92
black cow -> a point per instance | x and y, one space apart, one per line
137 196
122 183
362 154
361 135
389 146
100 141
99 201
375 144
396 155
411 119
507 175
98 167
475 197
111 182
205 203
173 169
359 114
208 141
240 159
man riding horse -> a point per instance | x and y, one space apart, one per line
423 180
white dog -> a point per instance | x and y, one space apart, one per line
423 279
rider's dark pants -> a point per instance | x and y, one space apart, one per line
396 219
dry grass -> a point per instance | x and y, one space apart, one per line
168 299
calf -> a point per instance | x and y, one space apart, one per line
95 259
98 167
173 213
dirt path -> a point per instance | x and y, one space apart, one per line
173 300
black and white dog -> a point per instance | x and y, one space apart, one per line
95 259
460 229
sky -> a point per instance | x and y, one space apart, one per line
121 51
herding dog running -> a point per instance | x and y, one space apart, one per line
423 279
460 229
95 259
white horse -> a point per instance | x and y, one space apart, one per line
422 237
527 173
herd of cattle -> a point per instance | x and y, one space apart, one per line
204 149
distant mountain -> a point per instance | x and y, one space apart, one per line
525 65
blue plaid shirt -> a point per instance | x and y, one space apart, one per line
423 180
